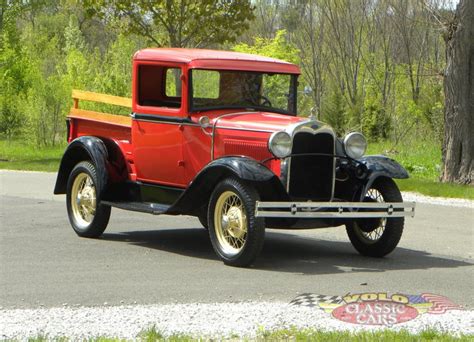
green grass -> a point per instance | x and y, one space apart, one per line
421 159
17 155
384 335
436 189
292 334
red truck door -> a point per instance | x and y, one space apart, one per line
156 130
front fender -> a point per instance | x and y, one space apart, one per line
198 192
242 167
80 149
381 166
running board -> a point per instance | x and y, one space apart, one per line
334 209
143 207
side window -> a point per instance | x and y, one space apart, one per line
159 86
173 82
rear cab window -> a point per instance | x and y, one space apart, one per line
159 86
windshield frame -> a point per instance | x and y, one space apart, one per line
293 88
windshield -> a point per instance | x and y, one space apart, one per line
221 89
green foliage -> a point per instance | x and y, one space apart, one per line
13 68
277 47
181 23
44 58
334 112
46 102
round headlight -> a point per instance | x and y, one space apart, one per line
280 144
355 145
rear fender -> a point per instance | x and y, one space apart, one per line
80 149
249 170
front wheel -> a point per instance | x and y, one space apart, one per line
236 234
377 237
87 216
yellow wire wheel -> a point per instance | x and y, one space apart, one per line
236 234
83 200
230 222
87 216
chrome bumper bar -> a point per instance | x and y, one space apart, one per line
334 209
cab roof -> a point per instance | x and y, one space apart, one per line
216 59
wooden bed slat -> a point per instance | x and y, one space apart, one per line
98 97
120 120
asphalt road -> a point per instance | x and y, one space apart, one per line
148 259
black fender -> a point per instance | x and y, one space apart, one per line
381 166
197 194
80 149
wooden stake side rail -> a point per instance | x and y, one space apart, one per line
91 115
102 98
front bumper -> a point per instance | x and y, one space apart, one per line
342 210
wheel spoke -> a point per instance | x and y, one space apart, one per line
231 222
375 234
83 199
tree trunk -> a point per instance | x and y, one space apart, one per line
458 145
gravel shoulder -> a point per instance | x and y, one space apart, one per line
209 320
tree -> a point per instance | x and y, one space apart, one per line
308 36
178 23
458 145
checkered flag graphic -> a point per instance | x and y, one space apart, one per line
312 300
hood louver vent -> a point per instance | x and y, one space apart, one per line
256 150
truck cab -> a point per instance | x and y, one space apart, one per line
217 135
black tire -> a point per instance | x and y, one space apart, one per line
251 234
203 220
95 223
382 241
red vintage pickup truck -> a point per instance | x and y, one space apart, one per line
216 135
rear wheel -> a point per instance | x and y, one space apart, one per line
236 234
87 216
202 216
377 237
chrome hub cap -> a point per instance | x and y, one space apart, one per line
83 200
230 223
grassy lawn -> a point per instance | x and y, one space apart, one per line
152 335
421 159
386 335
16 155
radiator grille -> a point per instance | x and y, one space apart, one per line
312 176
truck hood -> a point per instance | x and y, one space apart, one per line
257 121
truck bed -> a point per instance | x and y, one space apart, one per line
87 122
